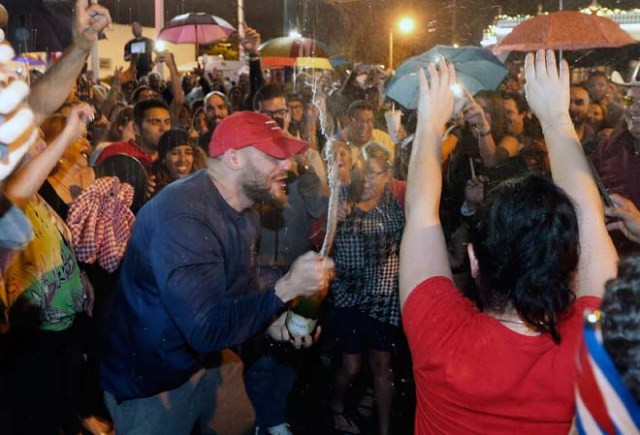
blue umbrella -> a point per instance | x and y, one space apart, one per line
477 68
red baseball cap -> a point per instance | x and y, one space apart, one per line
252 129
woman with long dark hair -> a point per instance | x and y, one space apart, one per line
540 254
178 156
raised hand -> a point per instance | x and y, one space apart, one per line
251 41
629 216
80 115
309 274
436 103
475 116
90 20
547 89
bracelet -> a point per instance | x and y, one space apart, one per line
485 133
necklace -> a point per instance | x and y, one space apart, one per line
517 322
59 183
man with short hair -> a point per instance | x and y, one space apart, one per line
515 111
578 108
598 86
139 50
361 131
187 288
270 101
151 118
617 161
284 235
295 104
217 108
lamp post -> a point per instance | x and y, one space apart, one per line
405 25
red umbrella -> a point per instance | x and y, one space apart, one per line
565 30
196 28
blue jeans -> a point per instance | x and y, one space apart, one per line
268 384
173 412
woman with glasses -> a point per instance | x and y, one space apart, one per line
365 292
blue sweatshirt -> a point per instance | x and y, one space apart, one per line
186 290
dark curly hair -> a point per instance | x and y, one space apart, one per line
526 243
621 322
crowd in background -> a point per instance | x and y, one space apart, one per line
81 157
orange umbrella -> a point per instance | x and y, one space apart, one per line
565 30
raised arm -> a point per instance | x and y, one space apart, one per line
51 90
547 92
492 153
251 43
25 182
423 252
176 86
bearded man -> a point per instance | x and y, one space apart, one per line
187 288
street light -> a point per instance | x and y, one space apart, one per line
405 25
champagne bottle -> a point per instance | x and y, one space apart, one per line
302 317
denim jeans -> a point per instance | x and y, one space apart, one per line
268 384
173 412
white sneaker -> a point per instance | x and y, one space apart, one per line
281 429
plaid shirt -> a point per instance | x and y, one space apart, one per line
101 222
366 253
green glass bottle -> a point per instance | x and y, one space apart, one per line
302 317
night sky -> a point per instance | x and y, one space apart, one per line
358 29
329 23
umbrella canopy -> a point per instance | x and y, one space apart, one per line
292 47
298 62
196 28
476 68
565 30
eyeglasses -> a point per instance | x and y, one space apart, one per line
629 101
372 175
280 113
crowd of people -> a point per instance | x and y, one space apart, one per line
149 229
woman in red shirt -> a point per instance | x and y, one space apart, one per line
540 255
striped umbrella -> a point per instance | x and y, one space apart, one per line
294 51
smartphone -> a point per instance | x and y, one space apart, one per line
462 97
603 190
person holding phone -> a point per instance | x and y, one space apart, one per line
139 50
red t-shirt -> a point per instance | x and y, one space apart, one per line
129 148
474 375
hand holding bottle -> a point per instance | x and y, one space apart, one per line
308 275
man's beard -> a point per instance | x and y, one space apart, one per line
578 119
257 187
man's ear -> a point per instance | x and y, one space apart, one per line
233 159
473 261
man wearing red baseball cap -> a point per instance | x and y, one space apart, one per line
186 285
